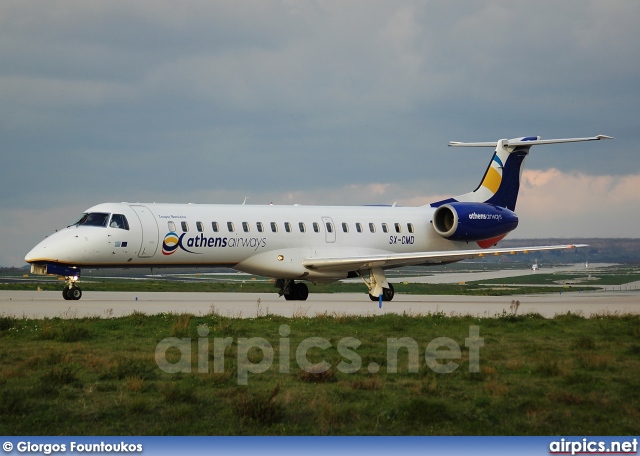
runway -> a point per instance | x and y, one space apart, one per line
34 304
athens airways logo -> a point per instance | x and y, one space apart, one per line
172 242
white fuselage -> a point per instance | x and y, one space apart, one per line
265 240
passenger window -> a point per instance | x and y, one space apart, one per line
316 227
274 227
172 226
215 227
302 227
372 227
398 227
200 226
245 227
230 227
410 227
345 227
329 227
185 226
119 221
385 228
287 227
260 227
359 227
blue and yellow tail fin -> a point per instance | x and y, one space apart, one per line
501 181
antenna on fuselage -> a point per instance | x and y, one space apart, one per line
245 200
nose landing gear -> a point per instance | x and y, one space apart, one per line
71 275
71 292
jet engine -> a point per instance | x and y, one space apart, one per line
459 221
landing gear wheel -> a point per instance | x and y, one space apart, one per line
387 294
65 294
301 291
297 292
74 293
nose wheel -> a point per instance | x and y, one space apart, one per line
72 293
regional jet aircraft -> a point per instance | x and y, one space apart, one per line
298 244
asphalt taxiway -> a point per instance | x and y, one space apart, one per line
34 304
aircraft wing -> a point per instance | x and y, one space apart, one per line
406 259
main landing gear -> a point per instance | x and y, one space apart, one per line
378 285
387 294
291 290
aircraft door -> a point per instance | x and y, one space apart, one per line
329 229
149 244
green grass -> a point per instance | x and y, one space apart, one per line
567 375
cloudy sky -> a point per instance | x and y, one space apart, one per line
315 102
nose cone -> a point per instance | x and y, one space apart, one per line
38 253
55 248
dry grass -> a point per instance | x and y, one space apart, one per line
180 327
317 374
134 383
368 384
495 388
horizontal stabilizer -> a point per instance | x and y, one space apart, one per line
527 141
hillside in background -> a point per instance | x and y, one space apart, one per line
600 250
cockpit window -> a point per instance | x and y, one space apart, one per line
119 221
93 219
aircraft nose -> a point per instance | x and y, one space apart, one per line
50 248
64 246
37 253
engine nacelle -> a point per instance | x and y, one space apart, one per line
473 221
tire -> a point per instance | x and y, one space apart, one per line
388 293
74 293
301 292
65 294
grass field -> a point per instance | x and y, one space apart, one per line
561 376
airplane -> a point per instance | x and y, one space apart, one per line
535 266
295 244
